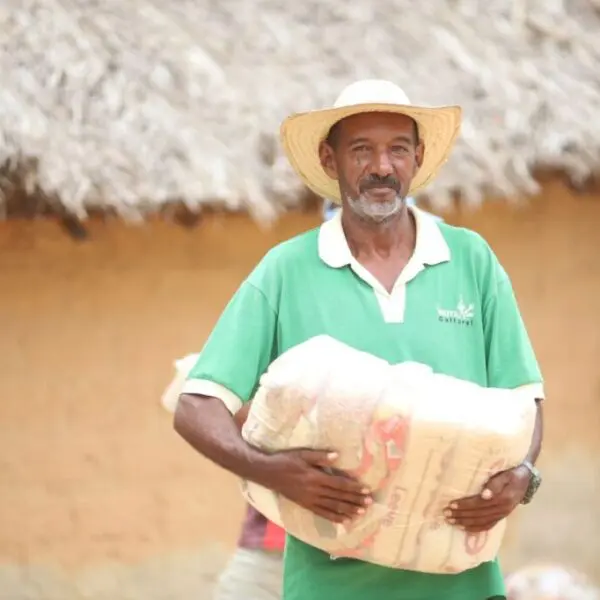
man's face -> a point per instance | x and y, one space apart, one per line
374 157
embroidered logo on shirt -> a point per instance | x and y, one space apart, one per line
463 314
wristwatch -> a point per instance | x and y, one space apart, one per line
534 482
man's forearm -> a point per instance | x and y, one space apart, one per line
207 425
538 433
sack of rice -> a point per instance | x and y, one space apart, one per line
418 439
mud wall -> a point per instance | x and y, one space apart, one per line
98 497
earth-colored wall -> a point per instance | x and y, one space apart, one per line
99 499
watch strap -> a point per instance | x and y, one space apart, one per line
534 482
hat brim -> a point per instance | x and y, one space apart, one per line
301 135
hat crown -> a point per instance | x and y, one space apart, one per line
371 91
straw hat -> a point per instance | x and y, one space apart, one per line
302 133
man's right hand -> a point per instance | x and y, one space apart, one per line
299 475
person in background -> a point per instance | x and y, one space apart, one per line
255 569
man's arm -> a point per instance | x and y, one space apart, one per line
207 425
538 433
224 377
237 353
511 364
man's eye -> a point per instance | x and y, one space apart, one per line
361 148
399 149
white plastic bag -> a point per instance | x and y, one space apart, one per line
171 394
549 582
418 439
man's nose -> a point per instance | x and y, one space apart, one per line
382 165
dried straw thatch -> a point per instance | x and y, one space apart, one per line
133 104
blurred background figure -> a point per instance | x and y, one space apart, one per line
255 569
549 582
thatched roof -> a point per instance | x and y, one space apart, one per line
134 104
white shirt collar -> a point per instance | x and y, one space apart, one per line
430 248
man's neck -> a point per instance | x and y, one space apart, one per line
380 240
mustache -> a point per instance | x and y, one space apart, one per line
374 181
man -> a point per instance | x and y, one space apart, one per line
386 279
255 570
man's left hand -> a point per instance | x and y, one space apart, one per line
500 496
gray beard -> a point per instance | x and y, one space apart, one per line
375 212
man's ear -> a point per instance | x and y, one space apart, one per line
419 155
327 158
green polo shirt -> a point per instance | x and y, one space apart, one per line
452 308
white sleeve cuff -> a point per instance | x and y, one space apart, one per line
536 390
215 390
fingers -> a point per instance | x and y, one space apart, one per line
461 518
333 479
487 494
341 495
318 458
478 523
475 504
344 496
458 514
328 513
481 501
333 494
359 499
475 514
344 486
497 484
343 511
492 494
